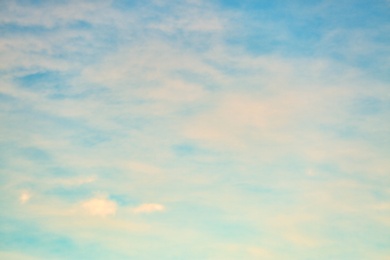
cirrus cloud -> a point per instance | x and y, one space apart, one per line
148 208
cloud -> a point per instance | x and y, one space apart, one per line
148 208
141 168
9 255
75 181
120 84
24 197
300 239
102 207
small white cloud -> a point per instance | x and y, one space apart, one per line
148 208
24 197
100 207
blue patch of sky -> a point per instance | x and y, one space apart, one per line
63 96
27 237
105 39
35 154
204 80
124 199
191 109
291 30
85 51
12 150
131 123
125 5
63 171
3 163
229 232
41 81
249 5
185 149
358 13
363 110
347 132
269 26
38 122
41 3
338 228
368 106
258 188
347 13
90 138
80 25
56 169
355 129
109 173
230 68
75 130
380 194
329 168
12 30
4 98
213 165
33 3
57 50
72 194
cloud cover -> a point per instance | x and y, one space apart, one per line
262 126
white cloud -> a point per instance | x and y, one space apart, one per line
24 197
148 208
268 106
100 207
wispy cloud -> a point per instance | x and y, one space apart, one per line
100 206
258 129
148 208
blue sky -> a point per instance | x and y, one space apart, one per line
195 129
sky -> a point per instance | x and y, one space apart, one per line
194 129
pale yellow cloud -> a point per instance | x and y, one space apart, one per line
100 206
148 208
24 197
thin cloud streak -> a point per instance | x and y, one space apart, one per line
148 208
194 129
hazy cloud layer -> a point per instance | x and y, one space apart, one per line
194 129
